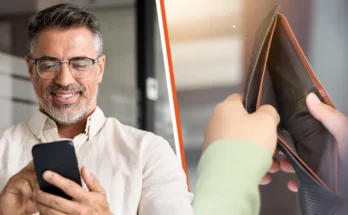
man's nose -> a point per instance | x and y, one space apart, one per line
64 77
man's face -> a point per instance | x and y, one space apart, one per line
65 98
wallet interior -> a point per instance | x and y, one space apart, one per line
285 84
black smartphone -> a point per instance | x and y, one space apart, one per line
59 157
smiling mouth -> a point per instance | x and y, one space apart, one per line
65 98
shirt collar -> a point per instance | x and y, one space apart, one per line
40 122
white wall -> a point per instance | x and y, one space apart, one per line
14 112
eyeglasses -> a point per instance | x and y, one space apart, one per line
49 67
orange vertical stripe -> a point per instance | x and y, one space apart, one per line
175 100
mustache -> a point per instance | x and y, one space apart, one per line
71 87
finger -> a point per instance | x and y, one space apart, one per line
236 100
29 167
331 118
275 166
91 182
56 202
286 166
266 179
232 103
28 173
69 187
32 178
30 206
19 186
235 97
44 209
269 109
293 185
276 151
22 183
27 184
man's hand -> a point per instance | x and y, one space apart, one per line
333 120
231 121
16 198
83 202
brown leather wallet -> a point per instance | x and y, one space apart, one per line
280 75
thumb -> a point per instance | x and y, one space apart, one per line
91 182
271 111
330 117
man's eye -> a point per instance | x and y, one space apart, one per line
46 62
80 65
46 65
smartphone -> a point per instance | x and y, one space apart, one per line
59 157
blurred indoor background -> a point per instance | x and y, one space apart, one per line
119 94
211 44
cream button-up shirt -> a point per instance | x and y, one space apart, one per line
138 170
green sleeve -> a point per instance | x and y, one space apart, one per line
229 173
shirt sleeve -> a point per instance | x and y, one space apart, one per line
164 189
229 173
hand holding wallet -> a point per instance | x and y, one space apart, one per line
279 74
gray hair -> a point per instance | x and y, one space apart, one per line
63 16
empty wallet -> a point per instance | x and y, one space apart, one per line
279 75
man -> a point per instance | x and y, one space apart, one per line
124 170
228 183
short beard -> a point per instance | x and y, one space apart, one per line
60 113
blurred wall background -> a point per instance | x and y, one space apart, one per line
210 45
118 93
211 51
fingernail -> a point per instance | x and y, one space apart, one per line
87 172
47 175
313 98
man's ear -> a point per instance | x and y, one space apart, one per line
30 66
101 65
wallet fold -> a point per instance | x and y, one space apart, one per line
280 75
